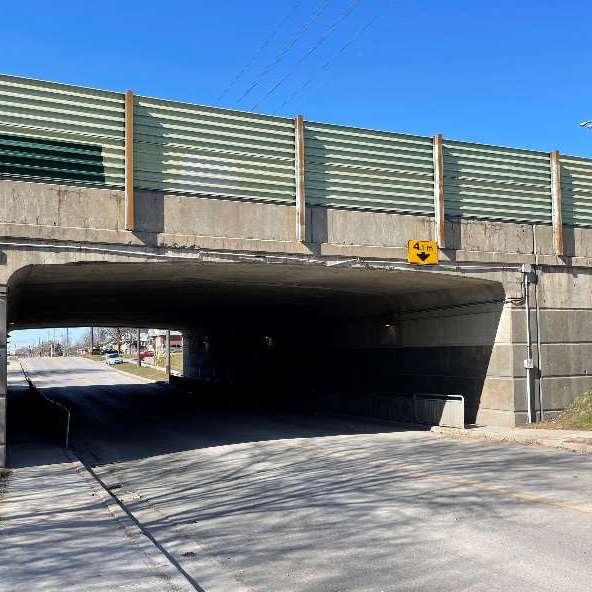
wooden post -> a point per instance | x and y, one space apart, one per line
129 160
556 203
300 184
439 223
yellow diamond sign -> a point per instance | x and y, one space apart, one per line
422 252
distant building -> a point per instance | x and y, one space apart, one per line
157 340
130 346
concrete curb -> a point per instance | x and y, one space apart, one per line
161 563
570 441
212 575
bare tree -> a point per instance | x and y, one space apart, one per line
119 335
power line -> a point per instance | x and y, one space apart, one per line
260 50
298 35
329 62
323 37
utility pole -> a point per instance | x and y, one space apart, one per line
168 353
67 343
138 349
92 340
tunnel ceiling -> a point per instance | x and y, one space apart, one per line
196 294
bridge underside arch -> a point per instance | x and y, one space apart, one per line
300 333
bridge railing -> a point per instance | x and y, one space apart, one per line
71 134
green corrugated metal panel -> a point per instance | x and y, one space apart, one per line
203 150
576 190
61 133
357 168
495 183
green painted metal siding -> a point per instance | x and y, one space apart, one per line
70 134
61 133
495 183
207 151
576 190
357 168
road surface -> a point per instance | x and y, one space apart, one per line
279 502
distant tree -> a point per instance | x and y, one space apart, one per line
119 335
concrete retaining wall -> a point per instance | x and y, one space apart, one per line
476 353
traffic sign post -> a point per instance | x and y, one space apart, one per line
422 252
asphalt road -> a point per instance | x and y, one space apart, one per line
266 501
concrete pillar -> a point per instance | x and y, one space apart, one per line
192 354
2 375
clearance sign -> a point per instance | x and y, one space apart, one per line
422 252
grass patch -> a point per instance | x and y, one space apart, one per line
142 371
176 362
578 416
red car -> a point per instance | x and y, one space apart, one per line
146 354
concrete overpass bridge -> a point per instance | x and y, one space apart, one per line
279 247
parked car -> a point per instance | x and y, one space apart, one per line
111 359
146 354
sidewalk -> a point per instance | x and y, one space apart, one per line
60 530
576 441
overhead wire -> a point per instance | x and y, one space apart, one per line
285 49
312 49
336 55
259 51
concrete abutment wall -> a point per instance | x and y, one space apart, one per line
462 349
477 351
3 367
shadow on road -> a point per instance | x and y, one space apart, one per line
123 422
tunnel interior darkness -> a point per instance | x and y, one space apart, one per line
291 333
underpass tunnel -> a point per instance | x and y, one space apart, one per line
305 337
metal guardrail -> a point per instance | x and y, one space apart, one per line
444 410
428 409
63 412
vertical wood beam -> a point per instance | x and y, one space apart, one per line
299 175
556 203
439 223
129 160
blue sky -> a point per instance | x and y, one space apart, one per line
32 336
506 72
